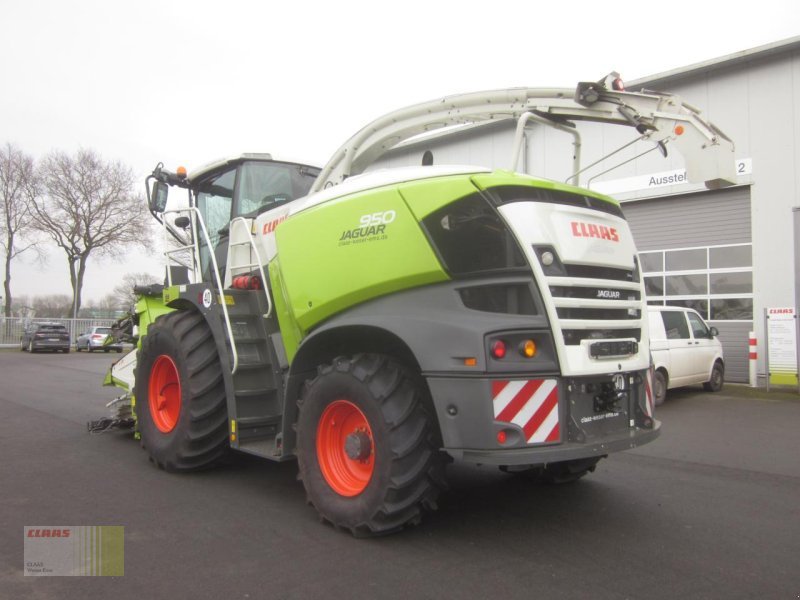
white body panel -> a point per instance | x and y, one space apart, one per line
552 224
123 371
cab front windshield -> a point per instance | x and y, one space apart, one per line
245 190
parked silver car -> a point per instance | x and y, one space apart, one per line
94 339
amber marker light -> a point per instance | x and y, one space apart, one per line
528 348
679 130
181 172
470 362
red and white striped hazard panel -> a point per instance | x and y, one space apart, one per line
648 392
532 405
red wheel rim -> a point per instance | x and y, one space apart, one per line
346 474
165 394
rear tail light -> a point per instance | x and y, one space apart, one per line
499 349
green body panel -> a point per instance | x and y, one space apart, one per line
330 262
149 308
290 332
497 178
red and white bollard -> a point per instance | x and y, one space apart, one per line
753 360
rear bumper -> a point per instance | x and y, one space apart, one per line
567 451
507 421
45 345
101 346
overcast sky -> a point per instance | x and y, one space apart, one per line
188 82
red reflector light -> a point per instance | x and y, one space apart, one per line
498 349
246 282
501 437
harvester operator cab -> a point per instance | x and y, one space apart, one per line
245 186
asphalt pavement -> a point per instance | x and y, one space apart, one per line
709 510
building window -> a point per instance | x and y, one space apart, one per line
716 281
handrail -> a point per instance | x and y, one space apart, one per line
220 289
258 262
529 116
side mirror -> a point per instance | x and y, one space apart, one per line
158 197
714 332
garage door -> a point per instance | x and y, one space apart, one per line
696 251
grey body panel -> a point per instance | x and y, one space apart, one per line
439 332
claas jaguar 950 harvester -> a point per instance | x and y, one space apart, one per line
375 324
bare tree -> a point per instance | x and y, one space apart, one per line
123 293
89 207
18 188
52 306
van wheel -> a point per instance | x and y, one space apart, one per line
717 378
659 388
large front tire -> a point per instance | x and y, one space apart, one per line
366 446
180 394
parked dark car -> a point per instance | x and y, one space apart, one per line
94 338
45 336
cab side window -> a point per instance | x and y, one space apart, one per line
675 325
699 329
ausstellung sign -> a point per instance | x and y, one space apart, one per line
744 166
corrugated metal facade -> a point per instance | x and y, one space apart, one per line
693 220
704 219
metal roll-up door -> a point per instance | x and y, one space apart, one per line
711 220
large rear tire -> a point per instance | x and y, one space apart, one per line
366 446
181 406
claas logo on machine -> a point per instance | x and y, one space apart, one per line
272 225
592 230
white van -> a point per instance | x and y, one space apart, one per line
685 351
